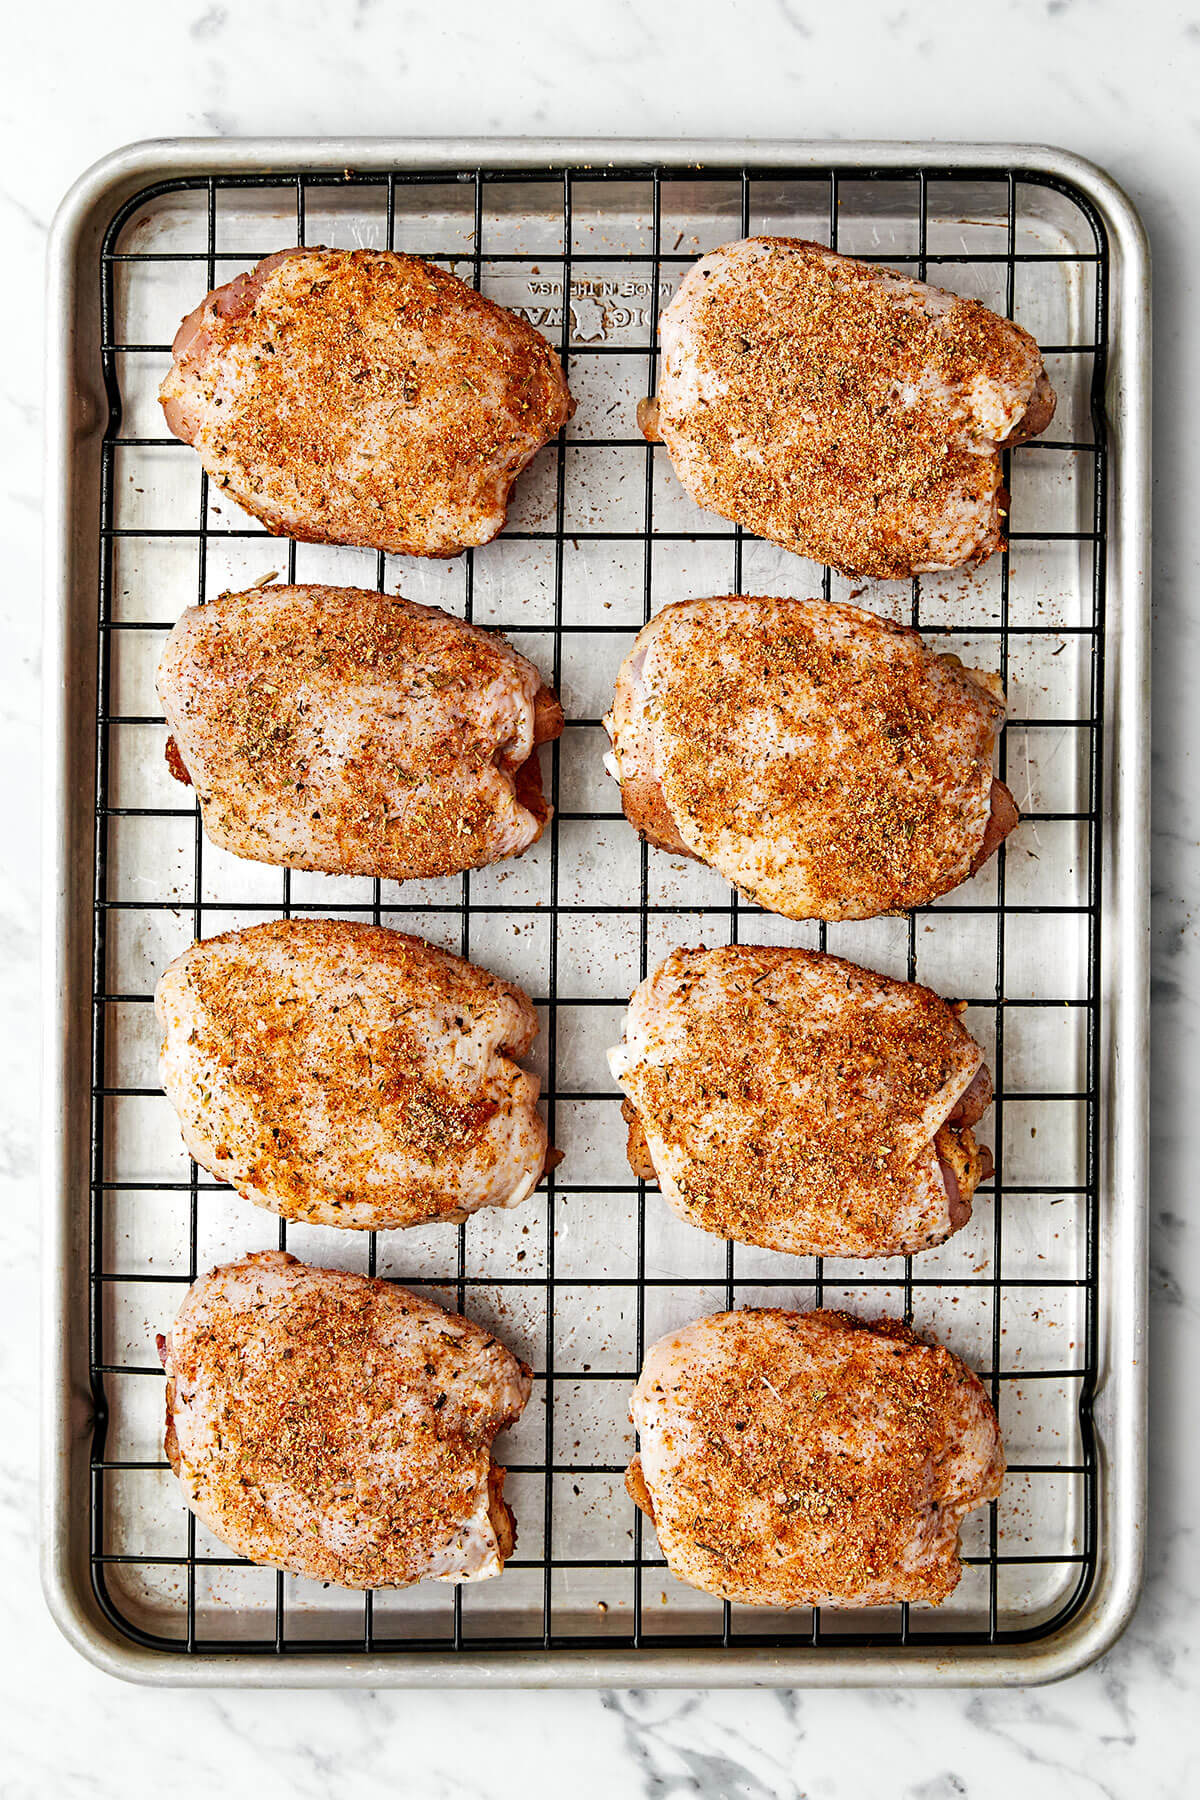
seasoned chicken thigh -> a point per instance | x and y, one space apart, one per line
822 759
354 732
792 1459
786 1098
341 1074
842 410
338 1427
361 397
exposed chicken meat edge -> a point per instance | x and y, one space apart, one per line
964 1163
1035 418
1002 820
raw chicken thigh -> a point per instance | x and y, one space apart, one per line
339 1427
842 410
362 397
793 1459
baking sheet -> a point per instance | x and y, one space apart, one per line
1036 1292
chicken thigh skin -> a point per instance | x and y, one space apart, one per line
845 411
790 1099
355 733
821 758
338 1427
341 1074
364 397
792 1459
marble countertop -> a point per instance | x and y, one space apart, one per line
1078 73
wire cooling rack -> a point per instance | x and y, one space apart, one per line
583 1276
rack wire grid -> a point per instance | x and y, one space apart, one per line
585 1274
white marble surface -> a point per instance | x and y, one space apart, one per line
81 79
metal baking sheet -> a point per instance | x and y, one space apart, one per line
1044 1292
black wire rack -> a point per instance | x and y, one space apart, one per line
610 1594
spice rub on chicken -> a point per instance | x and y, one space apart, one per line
363 397
792 1459
341 1074
339 1427
822 759
843 410
790 1099
356 733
